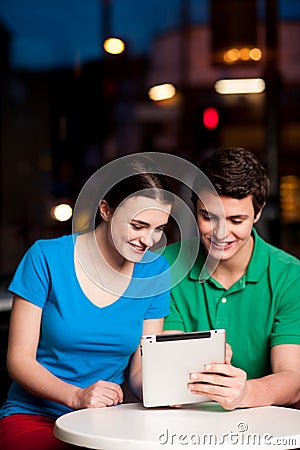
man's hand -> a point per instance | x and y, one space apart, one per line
228 354
222 383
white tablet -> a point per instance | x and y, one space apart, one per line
168 360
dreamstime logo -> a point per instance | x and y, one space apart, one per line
173 167
240 437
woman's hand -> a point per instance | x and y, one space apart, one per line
222 383
98 395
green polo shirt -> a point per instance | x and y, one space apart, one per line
259 311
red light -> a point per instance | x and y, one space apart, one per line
210 118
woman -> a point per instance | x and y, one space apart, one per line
81 303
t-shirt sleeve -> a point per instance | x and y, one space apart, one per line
160 302
174 320
31 280
286 329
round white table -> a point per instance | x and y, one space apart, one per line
205 425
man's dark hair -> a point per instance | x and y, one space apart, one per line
235 172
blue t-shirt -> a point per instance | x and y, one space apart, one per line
80 342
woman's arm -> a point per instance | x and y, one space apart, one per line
151 326
24 368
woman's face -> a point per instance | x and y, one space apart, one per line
136 225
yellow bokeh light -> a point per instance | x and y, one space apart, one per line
255 54
226 58
245 54
240 86
290 198
62 212
231 55
162 92
114 46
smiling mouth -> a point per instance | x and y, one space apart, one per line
138 248
221 245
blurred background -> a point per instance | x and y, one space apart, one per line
85 82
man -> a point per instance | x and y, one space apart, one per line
252 289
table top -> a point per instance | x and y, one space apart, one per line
205 425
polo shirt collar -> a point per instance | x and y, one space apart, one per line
258 263
259 260
198 265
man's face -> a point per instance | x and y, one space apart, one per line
226 234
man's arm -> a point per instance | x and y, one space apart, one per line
228 385
283 386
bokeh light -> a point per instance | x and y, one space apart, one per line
114 46
62 212
162 92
